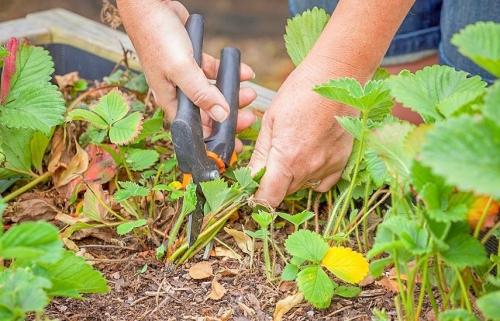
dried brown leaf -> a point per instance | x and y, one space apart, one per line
67 80
243 241
30 209
76 167
217 291
225 252
388 284
201 270
286 304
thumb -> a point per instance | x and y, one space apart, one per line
189 77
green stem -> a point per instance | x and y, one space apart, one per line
267 258
410 288
345 205
333 214
423 286
463 289
432 300
40 179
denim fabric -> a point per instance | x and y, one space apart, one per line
426 24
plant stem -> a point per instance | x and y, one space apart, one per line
40 179
423 286
333 214
463 289
267 258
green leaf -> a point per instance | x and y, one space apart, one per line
457 315
137 83
463 251
141 159
38 146
244 177
289 272
160 252
347 291
352 125
435 92
71 276
151 126
130 189
33 103
492 103
216 192
480 42
413 237
488 304
263 219
35 241
297 219
127 227
22 292
465 152
88 116
302 31
316 286
112 107
307 245
16 148
387 142
376 168
189 200
126 130
373 99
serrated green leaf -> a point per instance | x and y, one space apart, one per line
126 130
244 177
436 91
141 159
297 219
488 304
151 126
137 83
34 241
373 99
480 42
189 200
88 116
465 152
130 189
347 291
352 125
71 276
412 236
16 149
463 251
492 103
127 227
376 168
316 286
23 292
302 31
38 146
387 142
289 272
307 245
112 107
263 219
216 192
457 315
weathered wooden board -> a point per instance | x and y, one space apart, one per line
64 27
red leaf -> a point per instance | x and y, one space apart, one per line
102 167
9 68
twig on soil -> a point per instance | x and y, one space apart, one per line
108 246
337 312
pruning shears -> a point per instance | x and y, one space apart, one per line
201 159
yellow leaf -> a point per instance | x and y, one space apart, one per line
243 241
201 270
346 264
286 304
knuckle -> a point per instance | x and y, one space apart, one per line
201 95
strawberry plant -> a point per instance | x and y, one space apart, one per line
37 268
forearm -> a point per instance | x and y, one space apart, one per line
357 36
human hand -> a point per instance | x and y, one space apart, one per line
157 31
300 140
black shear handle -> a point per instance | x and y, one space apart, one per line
187 134
221 141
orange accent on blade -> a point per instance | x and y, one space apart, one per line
186 179
218 161
234 159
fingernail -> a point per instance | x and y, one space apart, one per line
218 113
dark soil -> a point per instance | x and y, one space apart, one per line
166 293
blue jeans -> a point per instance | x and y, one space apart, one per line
428 28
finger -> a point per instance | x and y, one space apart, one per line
247 96
179 10
210 66
189 77
164 94
238 146
245 119
262 148
327 183
276 180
